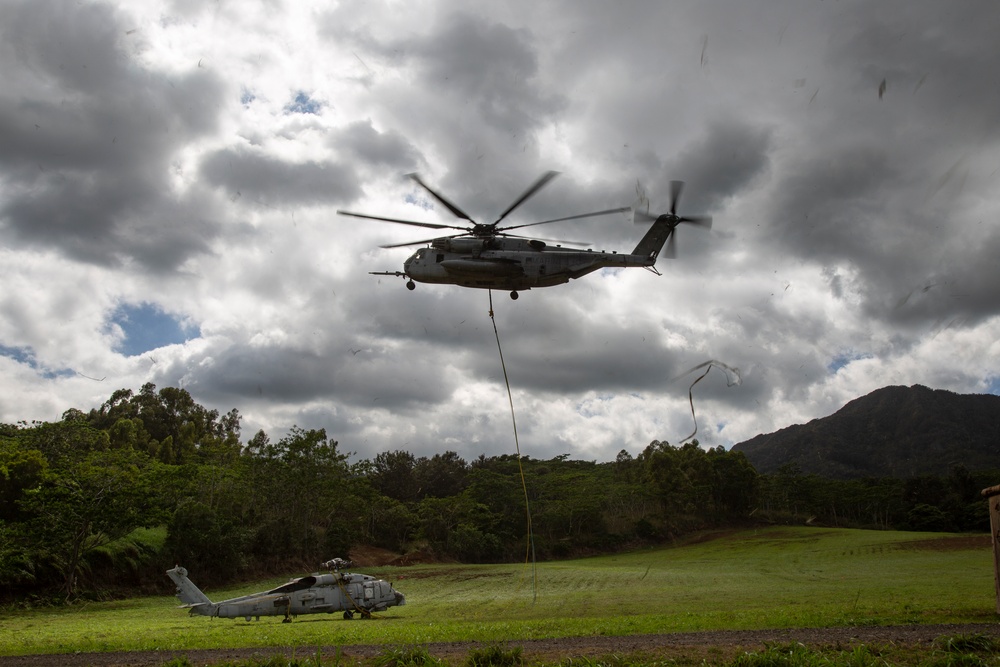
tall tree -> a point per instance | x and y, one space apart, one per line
84 506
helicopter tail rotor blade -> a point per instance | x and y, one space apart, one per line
700 220
459 213
676 187
670 252
530 192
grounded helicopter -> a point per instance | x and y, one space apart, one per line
315 594
485 256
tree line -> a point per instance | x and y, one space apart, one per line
102 502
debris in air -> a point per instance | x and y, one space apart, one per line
733 378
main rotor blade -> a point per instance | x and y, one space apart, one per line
414 223
403 245
676 187
643 218
459 213
571 217
530 192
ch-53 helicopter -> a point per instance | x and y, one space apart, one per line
315 594
486 256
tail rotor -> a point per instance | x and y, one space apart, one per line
672 219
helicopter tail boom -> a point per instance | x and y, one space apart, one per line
189 594
651 244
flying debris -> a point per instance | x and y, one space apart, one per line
316 594
487 256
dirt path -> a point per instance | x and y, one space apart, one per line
691 644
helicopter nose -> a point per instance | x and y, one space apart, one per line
400 599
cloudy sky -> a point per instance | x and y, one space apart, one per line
170 174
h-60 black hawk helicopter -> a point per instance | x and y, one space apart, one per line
316 594
486 256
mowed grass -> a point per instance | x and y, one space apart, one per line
766 578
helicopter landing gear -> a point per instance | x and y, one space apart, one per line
513 295
410 285
348 615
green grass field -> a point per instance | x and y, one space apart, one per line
765 578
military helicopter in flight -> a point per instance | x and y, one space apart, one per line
487 256
315 594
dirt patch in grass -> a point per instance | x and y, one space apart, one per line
681 647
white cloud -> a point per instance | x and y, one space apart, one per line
148 155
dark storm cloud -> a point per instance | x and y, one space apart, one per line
550 345
731 156
473 91
939 62
290 374
489 64
386 150
86 137
251 173
881 182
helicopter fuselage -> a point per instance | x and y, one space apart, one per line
508 263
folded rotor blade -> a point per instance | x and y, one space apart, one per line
572 217
530 192
414 223
459 213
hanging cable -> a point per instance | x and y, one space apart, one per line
530 547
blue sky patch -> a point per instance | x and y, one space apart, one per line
246 97
26 356
844 358
147 327
303 104
993 385
417 200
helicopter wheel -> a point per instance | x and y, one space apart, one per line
513 295
410 285
348 615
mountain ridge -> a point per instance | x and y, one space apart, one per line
895 431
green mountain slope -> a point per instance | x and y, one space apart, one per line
892 432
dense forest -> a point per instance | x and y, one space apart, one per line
100 503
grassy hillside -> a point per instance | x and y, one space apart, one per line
769 578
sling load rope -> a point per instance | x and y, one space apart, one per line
530 547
